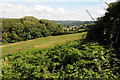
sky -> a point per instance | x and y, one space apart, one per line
54 9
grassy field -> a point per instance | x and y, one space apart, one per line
39 43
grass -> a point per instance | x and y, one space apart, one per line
39 43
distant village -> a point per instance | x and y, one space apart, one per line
74 28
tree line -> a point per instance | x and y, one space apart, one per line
28 27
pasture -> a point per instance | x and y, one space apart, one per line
39 43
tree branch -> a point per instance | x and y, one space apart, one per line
90 15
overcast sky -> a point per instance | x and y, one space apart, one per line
53 9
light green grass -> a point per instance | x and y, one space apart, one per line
39 43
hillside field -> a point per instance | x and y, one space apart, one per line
44 42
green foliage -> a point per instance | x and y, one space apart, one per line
76 59
106 31
107 28
55 29
28 27
71 60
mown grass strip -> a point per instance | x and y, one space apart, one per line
44 42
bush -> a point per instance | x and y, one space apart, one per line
106 29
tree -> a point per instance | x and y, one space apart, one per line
27 28
107 28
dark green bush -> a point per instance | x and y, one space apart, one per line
107 28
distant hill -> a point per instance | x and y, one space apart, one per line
73 23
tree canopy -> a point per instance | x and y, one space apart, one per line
28 27
106 29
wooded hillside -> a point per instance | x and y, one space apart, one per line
28 27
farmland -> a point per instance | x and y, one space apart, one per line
44 42
32 49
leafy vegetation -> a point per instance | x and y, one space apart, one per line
28 27
106 29
76 59
71 60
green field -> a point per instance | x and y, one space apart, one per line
39 43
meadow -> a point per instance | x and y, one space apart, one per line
39 43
